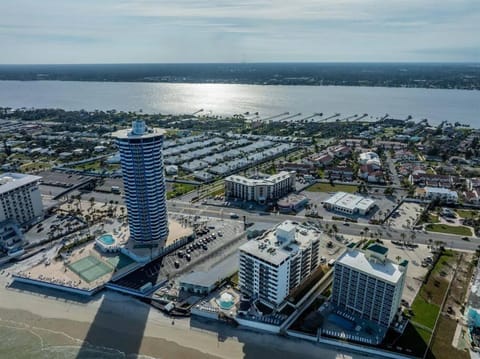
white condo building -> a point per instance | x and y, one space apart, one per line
277 262
145 194
20 198
369 285
262 189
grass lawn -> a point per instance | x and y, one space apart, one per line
37 165
442 341
97 166
425 313
89 166
426 305
433 218
327 187
424 334
445 228
179 189
464 213
413 338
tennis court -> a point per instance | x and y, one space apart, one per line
90 268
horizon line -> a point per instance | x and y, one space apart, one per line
252 63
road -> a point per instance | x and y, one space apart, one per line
385 233
183 207
393 171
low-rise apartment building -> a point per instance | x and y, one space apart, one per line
443 195
260 190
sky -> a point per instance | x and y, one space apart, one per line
189 31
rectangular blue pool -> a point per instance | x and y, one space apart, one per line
341 321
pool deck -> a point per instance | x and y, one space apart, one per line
57 272
368 331
176 232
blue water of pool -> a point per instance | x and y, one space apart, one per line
341 321
107 239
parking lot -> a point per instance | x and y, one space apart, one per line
415 272
214 239
54 226
406 215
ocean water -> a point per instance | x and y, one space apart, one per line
436 105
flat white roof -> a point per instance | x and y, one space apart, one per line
10 181
272 251
440 190
261 181
350 201
357 260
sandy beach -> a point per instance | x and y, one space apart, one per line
113 320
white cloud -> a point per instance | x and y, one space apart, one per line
227 30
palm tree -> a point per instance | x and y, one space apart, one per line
413 236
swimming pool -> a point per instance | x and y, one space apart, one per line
107 239
341 321
226 301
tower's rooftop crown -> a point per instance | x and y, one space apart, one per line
139 130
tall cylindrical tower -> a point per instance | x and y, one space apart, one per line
145 193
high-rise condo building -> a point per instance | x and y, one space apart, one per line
369 285
20 199
145 195
277 262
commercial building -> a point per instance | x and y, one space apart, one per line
20 198
369 285
277 262
292 203
349 203
262 189
145 193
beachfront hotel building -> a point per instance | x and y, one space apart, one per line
260 190
145 194
278 262
369 285
20 198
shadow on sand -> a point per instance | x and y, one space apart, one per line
114 332
257 344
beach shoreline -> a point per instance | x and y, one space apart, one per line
122 323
